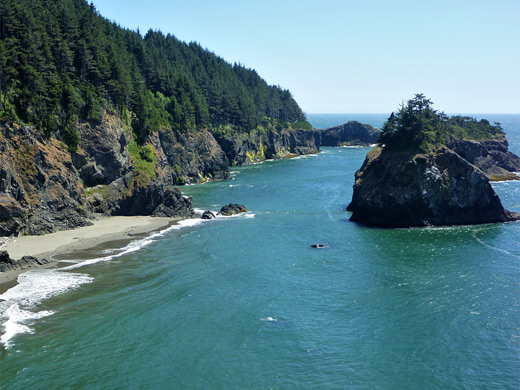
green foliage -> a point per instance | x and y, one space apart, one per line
61 62
469 128
417 126
301 125
143 158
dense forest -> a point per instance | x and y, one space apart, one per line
61 62
418 126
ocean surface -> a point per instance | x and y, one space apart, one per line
245 303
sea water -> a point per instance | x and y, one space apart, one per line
245 302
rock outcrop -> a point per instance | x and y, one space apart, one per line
490 155
45 188
40 189
404 189
243 149
26 262
232 209
208 214
352 133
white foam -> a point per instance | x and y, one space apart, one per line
33 287
250 215
269 319
138 244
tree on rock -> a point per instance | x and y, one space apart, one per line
416 126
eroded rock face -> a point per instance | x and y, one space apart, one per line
243 149
194 157
403 189
40 190
103 156
352 133
208 214
490 155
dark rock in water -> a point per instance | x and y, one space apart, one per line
232 209
26 262
317 246
352 133
403 189
208 215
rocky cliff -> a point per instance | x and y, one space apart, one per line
243 149
490 155
45 188
352 133
404 188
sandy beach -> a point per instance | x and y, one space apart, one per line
64 242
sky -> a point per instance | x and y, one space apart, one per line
362 56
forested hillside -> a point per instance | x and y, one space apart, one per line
61 62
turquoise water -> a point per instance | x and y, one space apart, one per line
245 303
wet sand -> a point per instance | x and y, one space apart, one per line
105 232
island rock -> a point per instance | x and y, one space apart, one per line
414 179
400 189
352 133
232 209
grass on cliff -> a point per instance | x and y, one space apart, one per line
143 158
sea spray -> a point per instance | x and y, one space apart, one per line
19 306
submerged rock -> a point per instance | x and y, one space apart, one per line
232 209
404 189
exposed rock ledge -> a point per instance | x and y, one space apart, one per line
26 262
404 189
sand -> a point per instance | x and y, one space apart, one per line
68 241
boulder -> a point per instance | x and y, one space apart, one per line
208 215
232 209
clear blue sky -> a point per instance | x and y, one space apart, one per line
362 56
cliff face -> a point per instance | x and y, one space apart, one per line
245 149
351 133
45 188
403 189
490 155
40 189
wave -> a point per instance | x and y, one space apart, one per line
137 244
17 308
17 305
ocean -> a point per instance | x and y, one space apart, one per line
245 303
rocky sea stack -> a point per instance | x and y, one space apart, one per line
413 179
352 133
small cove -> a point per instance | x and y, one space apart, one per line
244 302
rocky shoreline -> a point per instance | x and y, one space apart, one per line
46 188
